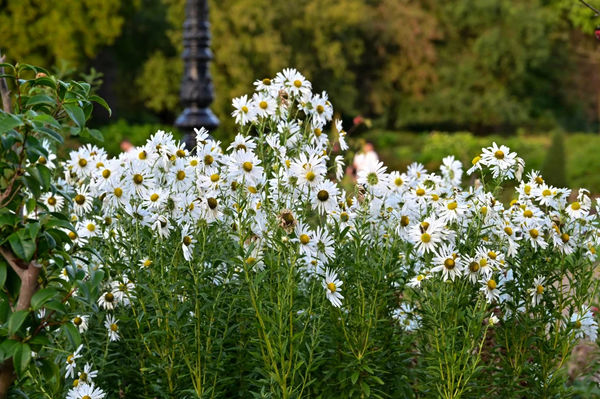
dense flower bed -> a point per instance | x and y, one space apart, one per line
246 269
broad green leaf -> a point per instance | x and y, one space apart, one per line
52 134
7 348
21 246
57 306
45 176
76 114
45 118
72 334
21 358
44 81
40 99
8 121
95 134
15 321
55 222
7 218
42 296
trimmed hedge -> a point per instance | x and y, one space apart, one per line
582 163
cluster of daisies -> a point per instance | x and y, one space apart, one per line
281 174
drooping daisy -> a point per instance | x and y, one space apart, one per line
538 290
489 288
81 322
112 327
451 170
87 375
71 362
107 301
406 317
332 285
187 244
585 326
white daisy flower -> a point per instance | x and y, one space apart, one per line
112 327
332 285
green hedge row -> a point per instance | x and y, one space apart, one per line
581 159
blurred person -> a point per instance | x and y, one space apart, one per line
365 158
126 145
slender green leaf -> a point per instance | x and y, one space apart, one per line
72 334
9 121
100 101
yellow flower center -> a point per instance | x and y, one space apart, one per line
247 166
214 178
77 321
578 324
499 154
483 262
297 83
564 237
539 180
109 297
310 176
266 82
142 155
114 327
187 240
320 109
72 235
194 162
475 160
474 267
154 197
398 182
252 189
70 359
147 263
118 192
42 160
91 227
244 109
449 264
106 173
539 289
208 159
212 203
304 239
318 132
323 195
404 221
180 175
546 192
452 206
331 287
576 206
180 153
483 210
527 189
344 217
425 238
491 284
492 255
420 192
79 199
534 233
82 162
138 179
528 213
263 105
508 230
52 201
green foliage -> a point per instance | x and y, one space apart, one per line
41 110
137 134
47 32
399 149
555 162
